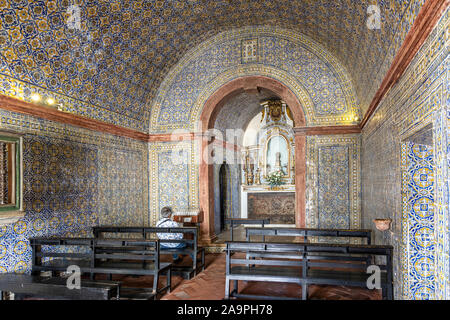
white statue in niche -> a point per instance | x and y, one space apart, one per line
277 155
278 161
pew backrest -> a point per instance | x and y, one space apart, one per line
309 232
93 250
245 221
192 241
301 252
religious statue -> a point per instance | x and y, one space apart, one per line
248 169
278 161
244 169
275 109
277 154
258 176
250 175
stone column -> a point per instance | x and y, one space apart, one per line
300 180
206 193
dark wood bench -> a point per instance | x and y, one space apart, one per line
24 285
241 221
280 262
104 256
190 239
305 233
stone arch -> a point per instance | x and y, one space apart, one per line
216 100
207 118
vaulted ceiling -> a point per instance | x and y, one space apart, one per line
117 57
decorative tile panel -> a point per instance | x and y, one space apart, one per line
333 183
173 177
418 188
249 50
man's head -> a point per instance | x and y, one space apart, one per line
166 212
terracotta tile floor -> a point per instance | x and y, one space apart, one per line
210 285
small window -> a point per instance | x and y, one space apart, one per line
10 173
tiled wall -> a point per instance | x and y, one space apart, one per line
73 179
413 103
442 200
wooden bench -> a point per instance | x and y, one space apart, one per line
190 240
105 256
306 233
23 285
241 221
280 262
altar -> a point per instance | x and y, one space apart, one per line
277 205
268 173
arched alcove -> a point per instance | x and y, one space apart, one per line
208 117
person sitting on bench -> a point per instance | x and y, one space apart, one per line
167 222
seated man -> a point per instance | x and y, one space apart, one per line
167 222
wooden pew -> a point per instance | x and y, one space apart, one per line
190 239
24 285
305 233
281 263
274 270
105 256
240 221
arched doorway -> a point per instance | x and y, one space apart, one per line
207 118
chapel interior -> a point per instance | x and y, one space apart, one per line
305 123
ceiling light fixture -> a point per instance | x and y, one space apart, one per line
35 97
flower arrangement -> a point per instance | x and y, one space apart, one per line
275 178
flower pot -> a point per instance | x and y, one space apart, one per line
382 224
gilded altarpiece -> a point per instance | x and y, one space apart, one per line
273 152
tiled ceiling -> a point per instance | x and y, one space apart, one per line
119 54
